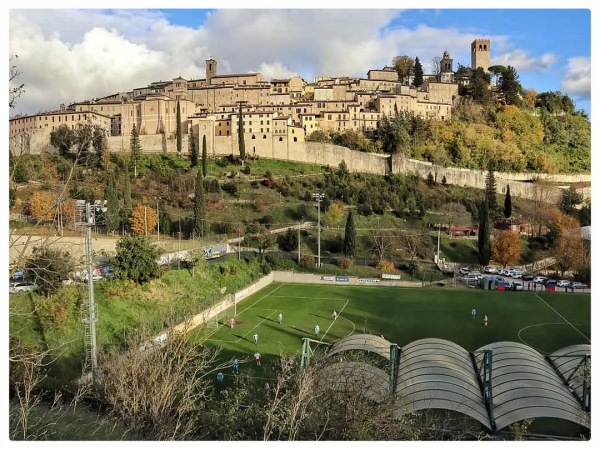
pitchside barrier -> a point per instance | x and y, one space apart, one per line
227 307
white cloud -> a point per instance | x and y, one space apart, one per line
521 60
577 81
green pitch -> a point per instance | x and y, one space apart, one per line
545 321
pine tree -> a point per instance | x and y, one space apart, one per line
178 129
112 203
241 143
418 73
135 149
199 205
193 150
490 189
507 203
350 236
484 250
204 157
510 86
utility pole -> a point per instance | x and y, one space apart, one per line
179 249
146 221
90 321
318 197
239 245
298 244
157 222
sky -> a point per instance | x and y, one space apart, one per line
69 55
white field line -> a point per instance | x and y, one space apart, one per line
333 321
310 298
535 326
561 316
257 325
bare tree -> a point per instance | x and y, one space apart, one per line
14 90
436 65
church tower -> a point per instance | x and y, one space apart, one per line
480 54
446 70
211 69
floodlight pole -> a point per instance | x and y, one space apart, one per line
318 197
91 319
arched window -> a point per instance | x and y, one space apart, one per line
295 139
264 136
280 139
253 137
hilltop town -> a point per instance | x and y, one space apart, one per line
273 111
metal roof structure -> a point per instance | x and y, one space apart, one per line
438 374
366 342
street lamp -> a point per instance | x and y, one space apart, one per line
318 197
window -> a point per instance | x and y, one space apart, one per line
264 136
253 137
280 139
295 139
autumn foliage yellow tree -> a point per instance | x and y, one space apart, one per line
42 206
334 213
142 219
506 247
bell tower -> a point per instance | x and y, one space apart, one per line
211 69
446 71
480 54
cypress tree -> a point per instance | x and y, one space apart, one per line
199 205
507 203
135 148
178 129
418 78
349 236
483 240
193 150
241 143
204 157
112 203
490 188
127 205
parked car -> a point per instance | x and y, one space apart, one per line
578 285
517 274
548 281
471 279
539 279
516 286
464 270
563 283
489 269
17 275
22 286
527 276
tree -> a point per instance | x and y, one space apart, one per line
334 213
142 220
178 129
111 196
506 247
62 138
416 242
479 87
507 203
510 86
193 149
418 74
436 67
262 240
100 144
48 267
349 236
204 157
135 148
136 259
14 91
496 72
569 200
403 65
83 140
199 205
490 189
483 238
241 143
569 251
42 206
288 241
127 204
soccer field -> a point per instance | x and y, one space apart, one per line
545 321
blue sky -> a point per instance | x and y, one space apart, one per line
68 55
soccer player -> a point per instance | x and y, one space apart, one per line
255 338
473 312
257 358
220 377
334 315
236 365
280 318
231 322
485 320
317 330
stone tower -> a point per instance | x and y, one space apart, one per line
211 69
446 70
480 54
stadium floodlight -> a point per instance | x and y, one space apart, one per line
318 197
